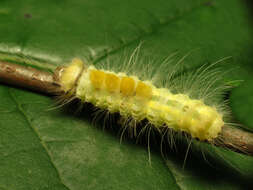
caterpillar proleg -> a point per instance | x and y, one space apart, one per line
141 100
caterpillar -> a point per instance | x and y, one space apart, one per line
137 100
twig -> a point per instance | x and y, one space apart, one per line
235 139
28 77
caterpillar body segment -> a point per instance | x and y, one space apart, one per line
137 99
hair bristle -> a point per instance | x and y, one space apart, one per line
205 84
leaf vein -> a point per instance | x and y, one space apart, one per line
112 51
21 110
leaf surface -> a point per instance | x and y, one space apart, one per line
41 148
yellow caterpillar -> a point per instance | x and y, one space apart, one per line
139 100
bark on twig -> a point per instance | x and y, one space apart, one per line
45 82
237 139
28 77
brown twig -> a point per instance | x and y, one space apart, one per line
45 82
236 139
28 77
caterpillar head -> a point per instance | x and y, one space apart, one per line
67 76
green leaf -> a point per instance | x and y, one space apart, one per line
41 148
242 103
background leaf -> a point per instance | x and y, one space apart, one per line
42 149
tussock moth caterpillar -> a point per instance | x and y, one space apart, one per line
164 107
